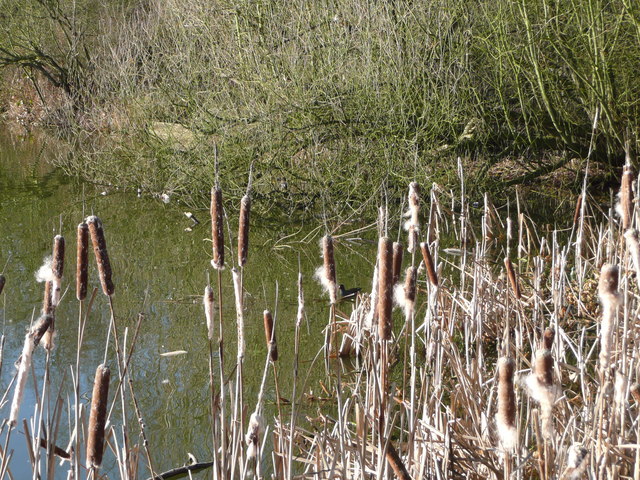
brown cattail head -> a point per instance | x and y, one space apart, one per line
40 328
270 335
217 231
608 284
506 416
47 302
578 210
410 279
397 261
329 267
208 310
98 416
82 260
385 288
547 338
428 263
635 392
57 265
102 257
513 280
544 368
243 230
2 282
625 205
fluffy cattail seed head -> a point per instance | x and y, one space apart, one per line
23 372
208 310
428 263
397 261
608 284
217 230
506 416
39 328
513 280
625 197
243 230
82 261
577 462
98 416
385 288
329 274
270 335
102 257
410 278
544 368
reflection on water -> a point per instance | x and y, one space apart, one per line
160 270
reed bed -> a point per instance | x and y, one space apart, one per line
489 349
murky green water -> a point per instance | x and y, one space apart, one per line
160 270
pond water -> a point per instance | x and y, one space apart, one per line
159 270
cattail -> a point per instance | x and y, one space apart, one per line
270 335
512 278
23 372
237 292
208 310
624 208
487 224
541 388
547 338
385 288
412 225
82 260
243 230
40 328
578 210
633 244
47 301
2 282
428 263
98 416
397 261
506 416
635 392
217 231
327 273
405 295
608 293
577 461
102 257
254 432
57 266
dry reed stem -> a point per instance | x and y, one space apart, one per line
217 228
513 280
506 416
397 261
98 416
243 230
428 263
385 288
237 292
270 335
625 197
82 260
102 256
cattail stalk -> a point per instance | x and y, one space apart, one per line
608 294
237 291
506 416
82 261
428 263
102 257
243 230
397 261
98 416
217 230
513 280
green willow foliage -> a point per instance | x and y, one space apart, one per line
347 86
